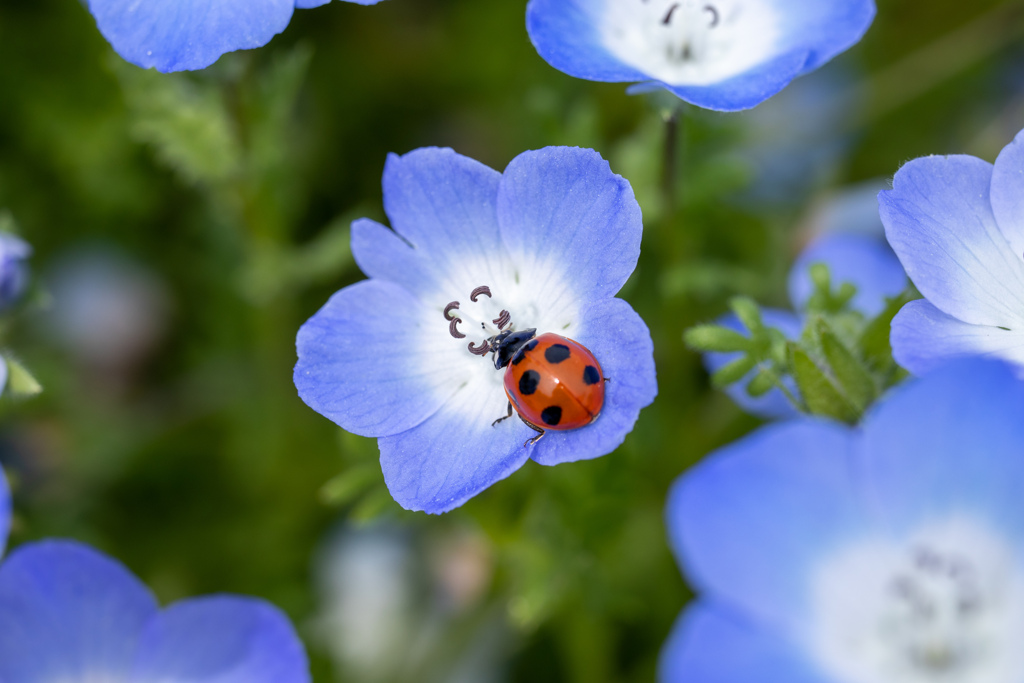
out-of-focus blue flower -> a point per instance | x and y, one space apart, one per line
14 253
957 224
862 260
719 54
553 238
5 503
184 35
892 553
69 613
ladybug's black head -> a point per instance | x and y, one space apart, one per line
507 343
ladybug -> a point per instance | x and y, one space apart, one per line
551 381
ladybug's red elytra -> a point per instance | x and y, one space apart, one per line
552 382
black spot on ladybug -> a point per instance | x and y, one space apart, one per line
551 415
591 375
556 353
528 382
522 352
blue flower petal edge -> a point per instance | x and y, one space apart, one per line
185 35
5 504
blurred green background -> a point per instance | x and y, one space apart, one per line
186 225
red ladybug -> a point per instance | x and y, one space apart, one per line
552 382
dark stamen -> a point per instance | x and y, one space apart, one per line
503 319
448 310
484 289
479 350
454 330
714 15
668 16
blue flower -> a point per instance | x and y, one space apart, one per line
893 553
14 253
553 238
862 260
718 54
184 35
69 613
957 224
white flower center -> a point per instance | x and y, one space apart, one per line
944 606
690 42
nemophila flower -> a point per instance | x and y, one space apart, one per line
957 224
718 54
472 255
184 35
861 260
893 553
14 253
70 614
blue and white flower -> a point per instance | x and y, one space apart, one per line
718 54
859 259
185 35
70 614
893 553
553 238
957 224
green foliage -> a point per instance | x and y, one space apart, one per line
194 461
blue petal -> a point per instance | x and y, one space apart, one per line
749 88
865 262
950 443
564 205
621 342
824 28
221 639
750 522
1007 193
566 36
709 644
774 405
307 4
939 221
68 613
923 337
5 505
381 253
177 35
444 206
364 364
454 455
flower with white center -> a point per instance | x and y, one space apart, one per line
718 54
859 259
957 224
892 553
185 35
474 252
69 614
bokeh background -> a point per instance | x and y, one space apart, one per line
186 225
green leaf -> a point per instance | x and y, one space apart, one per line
819 393
849 371
747 310
762 383
874 340
716 338
733 372
20 381
349 485
184 119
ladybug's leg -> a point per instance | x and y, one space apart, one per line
500 419
540 432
